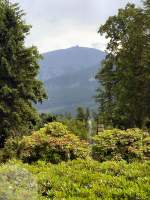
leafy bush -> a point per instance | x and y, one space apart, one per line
53 143
118 144
88 179
13 147
16 183
146 147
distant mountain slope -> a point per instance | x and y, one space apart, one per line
66 61
69 78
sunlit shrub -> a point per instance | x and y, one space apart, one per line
146 147
90 180
118 144
12 149
53 143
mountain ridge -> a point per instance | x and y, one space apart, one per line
69 78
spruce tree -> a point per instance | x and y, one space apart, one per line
80 114
19 85
87 114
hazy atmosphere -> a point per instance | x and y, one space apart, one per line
63 23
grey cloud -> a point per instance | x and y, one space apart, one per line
60 20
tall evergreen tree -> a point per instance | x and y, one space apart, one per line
87 114
19 86
124 92
80 114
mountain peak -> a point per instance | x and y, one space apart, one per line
68 75
77 46
59 62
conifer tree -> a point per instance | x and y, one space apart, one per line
19 85
80 114
87 114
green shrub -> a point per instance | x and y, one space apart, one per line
53 143
12 149
146 147
16 183
90 180
117 145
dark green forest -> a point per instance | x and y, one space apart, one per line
96 154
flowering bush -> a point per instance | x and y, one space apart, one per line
118 144
146 147
53 143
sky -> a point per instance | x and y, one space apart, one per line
59 24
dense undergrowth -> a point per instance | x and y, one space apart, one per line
54 163
87 179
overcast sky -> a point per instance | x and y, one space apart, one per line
58 24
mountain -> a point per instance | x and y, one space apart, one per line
68 75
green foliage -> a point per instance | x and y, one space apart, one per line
146 147
147 6
80 114
16 183
83 114
12 149
119 144
19 86
88 179
77 127
124 92
53 143
46 118
55 129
